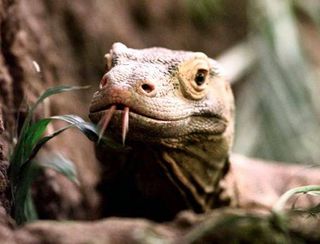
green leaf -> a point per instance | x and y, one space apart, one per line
49 92
91 131
280 204
24 148
30 133
55 90
60 164
282 86
23 206
22 175
35 131
87 128
23 170
314 210
44 140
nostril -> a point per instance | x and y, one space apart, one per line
103 82
147 87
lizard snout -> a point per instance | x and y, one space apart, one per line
142 87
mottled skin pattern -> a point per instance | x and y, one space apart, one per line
179 110
180 131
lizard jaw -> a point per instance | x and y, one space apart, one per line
108 114
150 129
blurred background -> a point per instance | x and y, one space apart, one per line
270 50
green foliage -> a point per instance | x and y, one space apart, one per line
313 190
23 169
60 164
24 209
239 227
203 12
278 107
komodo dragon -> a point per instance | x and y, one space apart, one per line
175 110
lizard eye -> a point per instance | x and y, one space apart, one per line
195 79
200 77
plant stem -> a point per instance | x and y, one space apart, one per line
280 204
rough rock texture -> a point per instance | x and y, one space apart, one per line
220 226
7 65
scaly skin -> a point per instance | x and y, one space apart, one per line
180 128
180 131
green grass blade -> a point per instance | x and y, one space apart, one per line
35 131
44 140
49 92
62 165
314 210
29 133
30 211
23 170
90 130
23 206
23 150
278 107
87 128
280 204
52 91
23 174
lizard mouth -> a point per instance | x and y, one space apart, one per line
123 112
107 115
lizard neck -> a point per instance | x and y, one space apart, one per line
196 170
157 181
183 177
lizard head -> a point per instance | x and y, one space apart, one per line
163 96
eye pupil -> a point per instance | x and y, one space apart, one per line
200 78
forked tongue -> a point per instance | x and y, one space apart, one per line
125 123
105 120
